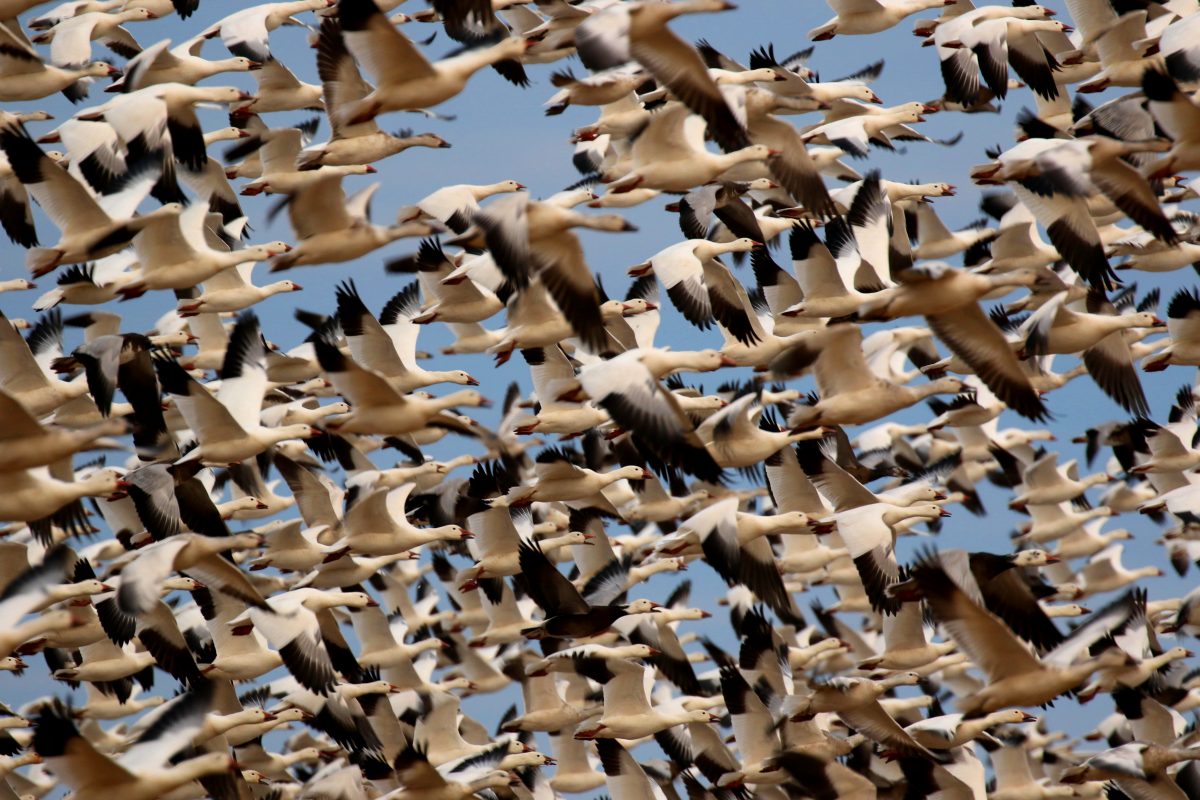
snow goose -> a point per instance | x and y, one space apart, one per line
88 232
1099 334
700 286
291 548
245 32
1016 677
229 429
739 435
670 155
552 373
1122 55
850 392
558 479
820 267
869 16
24 76
331 229
1137 767
1063 212
1177 114
1182 314
449 297
545 709
1104 572
35 494
24 368
627 710
627 389
161 63
376 525
406 81
598 89
142 771
378 408
388 345
455 205
27 443
342 85
618 34
935 240
948 731
300 625
948 299
1098 165
71 40
987 40
528 239
872 520
231 290
855 134
280 174
568 613
175 253
279 90
419 779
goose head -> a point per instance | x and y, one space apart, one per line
466 397
763 75
945 386
180 584
705 249
237 64
261 252
642 607
915 511
1143 319
86 588
503 187
614 223
285 432
451 533
635 306
860 92
426 140
568 539
1032 558
352 169
106 483
281 287
99 69
1009 716
755 152
628 474
906 112
327 599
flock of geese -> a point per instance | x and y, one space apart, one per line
234 569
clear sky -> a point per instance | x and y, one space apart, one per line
500 132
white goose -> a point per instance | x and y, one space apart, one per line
229 428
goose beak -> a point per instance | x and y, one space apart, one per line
726 361
1053 559
1028 717
944 513
471 381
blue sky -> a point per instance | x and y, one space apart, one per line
500 132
